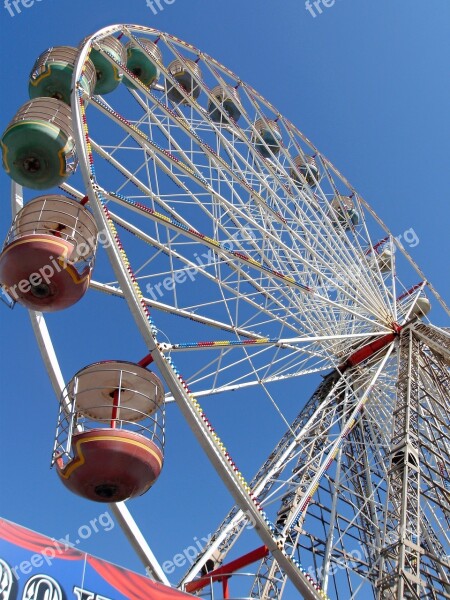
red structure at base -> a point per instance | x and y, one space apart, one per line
225 572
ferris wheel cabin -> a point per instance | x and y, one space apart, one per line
228 99
384 260
267 138
108 76
306 171
48 256
52 73
185 80
343 212
110 435
38 145
140 64
421 307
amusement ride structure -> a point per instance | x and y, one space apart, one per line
246 261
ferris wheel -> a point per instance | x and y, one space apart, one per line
247 262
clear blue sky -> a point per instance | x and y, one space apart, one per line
366 81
